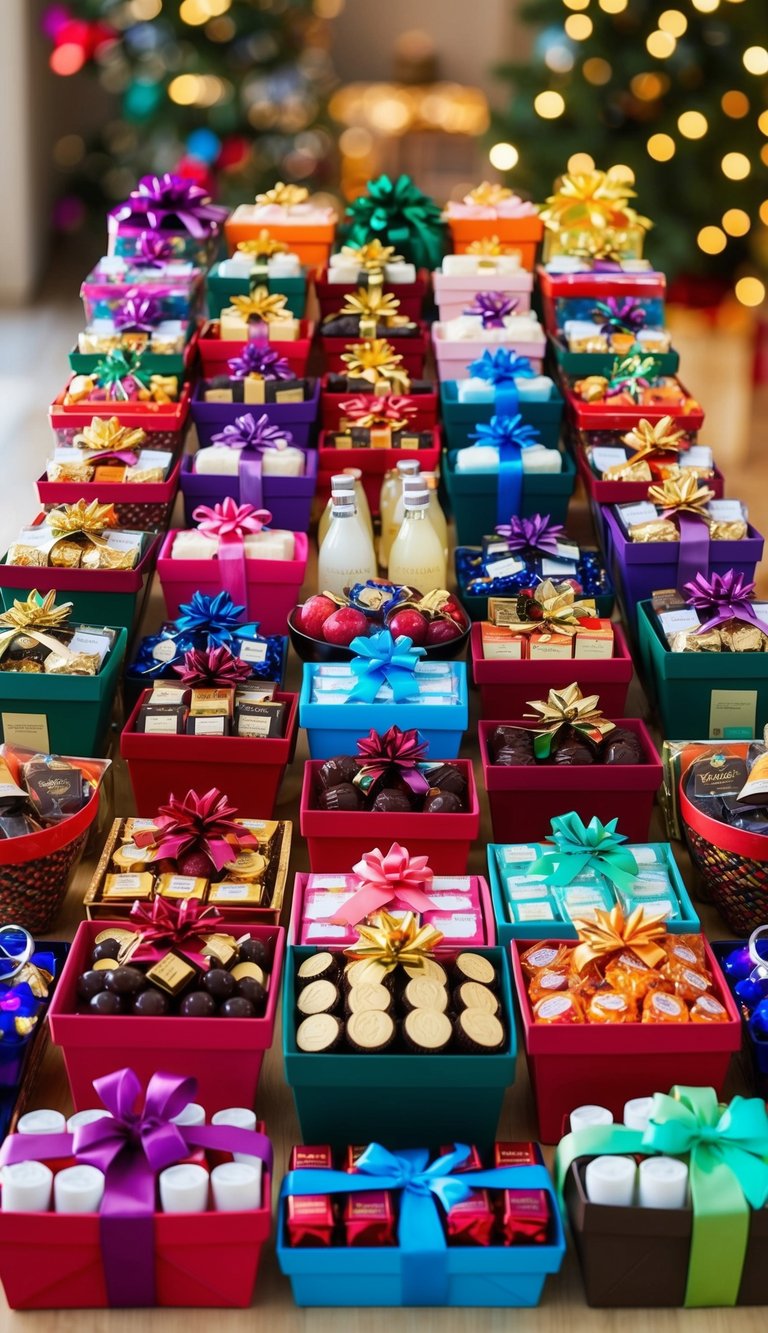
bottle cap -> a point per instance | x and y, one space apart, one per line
342 483
354 472
408 467
416 499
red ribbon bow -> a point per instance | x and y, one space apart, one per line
389 407
381 880
174 925
401 750
230 522
198 824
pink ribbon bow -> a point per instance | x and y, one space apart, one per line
174 925
229 522
381 880
197 824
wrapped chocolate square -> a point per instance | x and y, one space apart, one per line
715 613
36 637
78 536
682 510
121 378
369 313
41 790
260 316
521 553
109 452
574 732
209 622
545 623
650 451
257 375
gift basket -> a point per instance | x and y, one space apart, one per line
289 215
122 385
371 265
373 376
633 388
178 210
323 628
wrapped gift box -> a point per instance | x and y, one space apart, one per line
288 499
473 497
533 566
372 462
669 399
462 277
307 229
511 221
144 505
571 287
216 351
453 354
424 403
331 294
540 405
222 284
165 424
167 214
411 350
176 287
179 363
506 686
299 418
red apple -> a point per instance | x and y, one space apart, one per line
344 625
311 617
442 631
409 622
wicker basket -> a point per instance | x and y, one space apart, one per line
733 866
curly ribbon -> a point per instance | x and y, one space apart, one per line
82 519
684 499
591 201
510 435
131 1146
258 310
33 617
283 196
574 847
649 440
535 533
253 439
610 932
550 608
212 667
395 878
630 375
401 213
492 308
136 313
106 438
117 366
568 708
377 362
229 523
392 752
171 203
383 660
721 597
727 1151
372 308
394 941
152 251
502 369
197 824
422 1252
386 410
619 315
260 362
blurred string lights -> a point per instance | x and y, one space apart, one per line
680 92
230 92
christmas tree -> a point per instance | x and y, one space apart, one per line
677 95
229 92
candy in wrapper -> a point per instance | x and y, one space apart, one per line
310 1219
738 637
541 956
689 983
661 1007
549 981
473 1221
630 975
728 530
655 530
525 1217
66 555
559 1009
369 1218
69 471
690 641
19 553
611 1006
77 664
639 471
707 1009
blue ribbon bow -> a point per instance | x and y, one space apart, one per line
218 617
423 1251
510 435
501 368
383 660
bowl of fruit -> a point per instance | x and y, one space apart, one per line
323 627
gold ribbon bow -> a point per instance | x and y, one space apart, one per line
591 201
33 617
260 304
106 435
263 244
608 244
372 307
81 517
488 194
648 441
682 495
372 256
284 196
558 612
377 362
610 932
393 941
568 708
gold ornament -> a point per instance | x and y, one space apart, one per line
393 940
284 196
106 435
263 244
610 932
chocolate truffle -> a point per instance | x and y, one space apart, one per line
622 747
343 797
90 983
442 803
153 1003
106 949
219 983
479 1032
251 989
370 1031
447 777
124 980
319 1032
427 1031
511 741
106 1002
573 751
198 1004
254 951
237 1007
342 768
392 801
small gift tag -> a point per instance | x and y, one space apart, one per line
250 650
505 568
725 511
519 852
604 457
84 642
550 567
165 651
697 456
451 883
675 622
642 512
122 540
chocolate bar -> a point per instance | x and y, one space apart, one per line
309 1219
259 719
368 1218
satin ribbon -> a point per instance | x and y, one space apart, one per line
502 368
535 533
399 213
152 251
395 878
131 1146
230 522
217 616
168 924
116 366
212 668
727 1152
382 660
261 362
510 435
493 308
137 313
33 617
393 750
394 941
423 1252
592 201
684 499
611 932
108 439
568 707
574 847
391 410
722 597
174 203
619 315
551 608
253 438
197 824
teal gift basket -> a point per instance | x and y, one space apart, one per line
473 497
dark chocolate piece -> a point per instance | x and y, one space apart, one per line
105 949
198 1004
442 803
152 1003
448 778
237 1007
391 800
125 980
340 769
89 984
106 1002
573 750
251 989
511 745
219 983
254 951
622 747
342 797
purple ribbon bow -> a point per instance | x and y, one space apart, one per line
253 438
723 597
257 360
131 1146
535 533
172 203
619 315
152 250
492 307
138 313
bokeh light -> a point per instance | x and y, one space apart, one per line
503 156
750 291
661 147
712 240
549 105
736 166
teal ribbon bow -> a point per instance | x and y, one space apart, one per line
117 366
727 1152
425 1270
399 214
383 660
579 846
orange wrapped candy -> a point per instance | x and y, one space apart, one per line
549 981
691 984
610 1006
629 974
685 949
707 1009
661 1007
559 1009
540 956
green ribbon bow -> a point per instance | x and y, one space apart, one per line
117 366
579 846
727 1152
632 373
399 214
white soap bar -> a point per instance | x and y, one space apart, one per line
240 264
218 460
477 458
194 545
534 388
541 459
475 390
273 545
287 462
455 265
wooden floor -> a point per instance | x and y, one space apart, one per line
33 346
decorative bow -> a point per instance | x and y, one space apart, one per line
489 247
392 751
212 667
591 201
172 203
550 608
85 517
230 523
619 315
377 362
574 847
488 194
165 924
259 362
138 313
611 932
253 438
372 256
602 250
216 616
152 250
389 409
493 308
262 246
131 1145
117 366
395 941
682 495
649 439
721 597
630 375
203 824
283 196
398 211
510 435
395 878
382 660
106 438
372 307
33 617
424 1277
260 306
503 369
535 533
568 708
